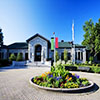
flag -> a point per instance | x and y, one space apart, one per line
56 42
73 30
52 43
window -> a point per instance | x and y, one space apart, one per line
26 56
78 55
98 56
15 54
9 54
69 56
62 56
81 55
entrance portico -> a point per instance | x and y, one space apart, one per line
38 48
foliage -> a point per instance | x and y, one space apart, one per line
4 62
86 62
69 62
58 77
91 58
12 57
92 37
1 39
65 55
19 57
56 56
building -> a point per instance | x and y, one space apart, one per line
37 48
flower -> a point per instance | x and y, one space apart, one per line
77 76
43 75
67 77
58 78
70 79
73 74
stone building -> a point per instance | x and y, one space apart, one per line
37 48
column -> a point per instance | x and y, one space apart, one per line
84 55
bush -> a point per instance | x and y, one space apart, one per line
56 56
91 59
95 69
86 62
65 55
12 57
19 57
4 62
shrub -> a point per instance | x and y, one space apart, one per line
65 55
86 62
12 57
56 56
19 57
4 62
69 62
95 69
91 59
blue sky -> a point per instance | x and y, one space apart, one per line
21 19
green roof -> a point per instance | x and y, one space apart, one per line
68 45
19 45
64 45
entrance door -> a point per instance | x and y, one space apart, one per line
38 53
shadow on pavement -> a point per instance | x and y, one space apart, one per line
13 67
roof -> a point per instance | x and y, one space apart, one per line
69 45
18 45
64 45
36 36
3 47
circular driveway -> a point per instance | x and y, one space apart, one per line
14 85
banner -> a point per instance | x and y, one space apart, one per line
52 43
56 42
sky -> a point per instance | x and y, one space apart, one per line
21 19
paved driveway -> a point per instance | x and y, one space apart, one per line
14 85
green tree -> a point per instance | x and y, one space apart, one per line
65 55
56 56
12 57
1 38
19 57
92 37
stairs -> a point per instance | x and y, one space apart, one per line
37 64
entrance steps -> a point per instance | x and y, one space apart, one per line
37 64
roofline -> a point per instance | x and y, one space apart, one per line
35 36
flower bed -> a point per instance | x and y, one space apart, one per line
58 77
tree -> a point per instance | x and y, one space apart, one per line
19 57
12 57
65 55
1 38
56 56
92 37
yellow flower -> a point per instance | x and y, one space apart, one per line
43 75
67 77
70 79
47 73
73 74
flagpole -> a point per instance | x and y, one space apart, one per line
54 47
73 36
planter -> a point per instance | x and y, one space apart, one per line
71 68
63 89
18 63
84 69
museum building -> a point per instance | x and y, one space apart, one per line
38 48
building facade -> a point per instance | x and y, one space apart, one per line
37 48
